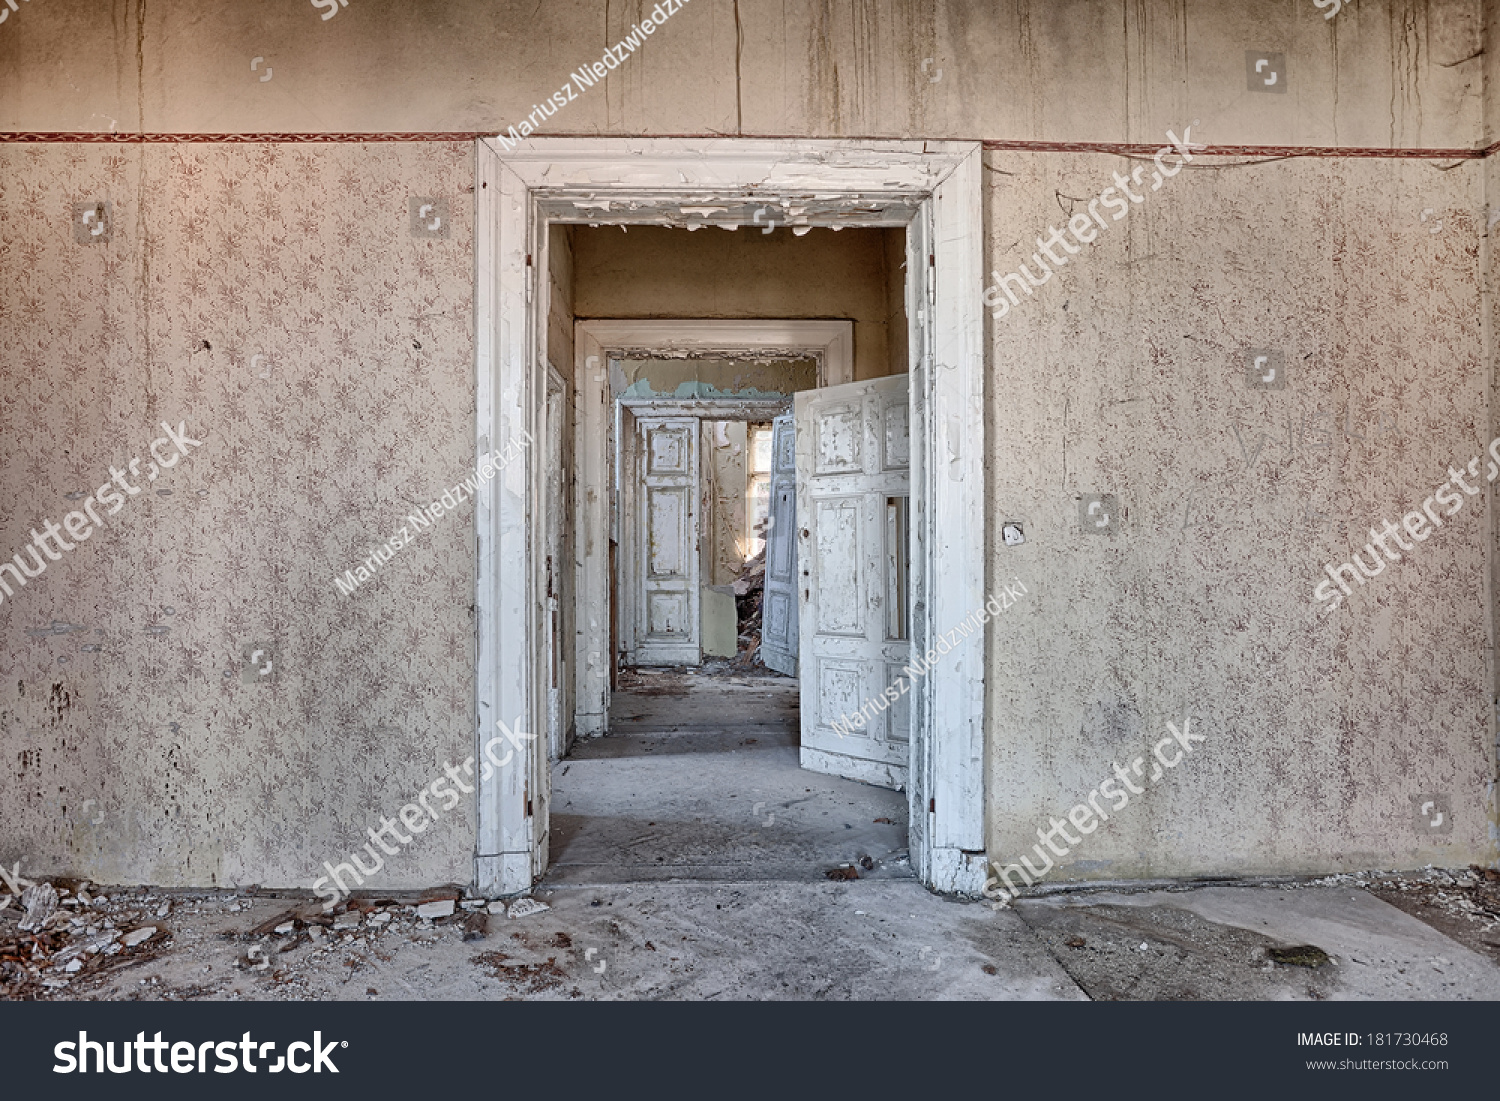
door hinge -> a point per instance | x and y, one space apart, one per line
529 812
932 805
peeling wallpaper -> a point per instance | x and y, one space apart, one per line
273 299
714 378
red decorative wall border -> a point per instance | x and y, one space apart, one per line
1122 148
232 139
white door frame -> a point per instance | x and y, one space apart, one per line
595 343
931 187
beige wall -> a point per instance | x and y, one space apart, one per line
1490 340
652 271
128 754
1126 375
895 302
560 315
133 750
1389 72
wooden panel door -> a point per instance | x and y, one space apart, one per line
665 617
778 610
853 478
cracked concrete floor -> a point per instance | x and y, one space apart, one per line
690 855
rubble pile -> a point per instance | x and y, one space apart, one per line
1462 903
67 939
56 934
749 590
1472 894
361 923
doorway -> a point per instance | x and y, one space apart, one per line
715 765
692 486
929 189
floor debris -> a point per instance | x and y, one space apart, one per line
441 908
39 901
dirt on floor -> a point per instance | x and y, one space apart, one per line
864 939
96 938
697 941
1160 953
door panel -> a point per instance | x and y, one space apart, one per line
853 484
666 580
778 635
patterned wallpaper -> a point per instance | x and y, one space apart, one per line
1327 731
185 697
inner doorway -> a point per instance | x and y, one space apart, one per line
835 584
698 719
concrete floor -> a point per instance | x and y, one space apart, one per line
1211 944
698 780
690 858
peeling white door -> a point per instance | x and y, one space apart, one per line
853 479
778 612
665 619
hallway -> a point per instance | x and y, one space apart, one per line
699 780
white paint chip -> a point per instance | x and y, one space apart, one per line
525 907
139 936
440 908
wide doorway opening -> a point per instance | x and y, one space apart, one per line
635 344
